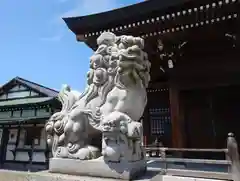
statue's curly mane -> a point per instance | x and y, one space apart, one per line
118 61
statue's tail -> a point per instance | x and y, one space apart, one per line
67 98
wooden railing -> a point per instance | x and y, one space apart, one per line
231 161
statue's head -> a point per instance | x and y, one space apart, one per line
119 61
116 122
110 124
123 58
133 64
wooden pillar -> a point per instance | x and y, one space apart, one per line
17 140
146 126
4 143
176 118
30 152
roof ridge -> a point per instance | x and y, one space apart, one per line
25 80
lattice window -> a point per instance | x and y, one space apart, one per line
43 112
16 114
160 120
28 113
5 114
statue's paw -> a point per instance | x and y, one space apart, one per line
62 152
83 154
49 140
59 127
61 138
49 127
73 148
88 153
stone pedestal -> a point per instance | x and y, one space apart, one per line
98 168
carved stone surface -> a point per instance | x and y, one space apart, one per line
98 168
103 120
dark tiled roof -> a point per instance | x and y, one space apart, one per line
32 85
83 24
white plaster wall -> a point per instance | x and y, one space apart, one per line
11 144
22 88
38 157
13 139
21 138
15 88
9 154
34 93
18 94
22 156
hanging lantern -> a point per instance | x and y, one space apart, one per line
160 45
170 64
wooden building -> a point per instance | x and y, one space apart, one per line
194 93
24 108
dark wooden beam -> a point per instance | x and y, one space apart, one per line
17 140
80 38
176 118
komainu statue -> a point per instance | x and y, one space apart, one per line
102 122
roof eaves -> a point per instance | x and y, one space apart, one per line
83 24
22 120
25 101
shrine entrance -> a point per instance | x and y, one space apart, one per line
210 114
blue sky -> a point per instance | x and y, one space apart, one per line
35 44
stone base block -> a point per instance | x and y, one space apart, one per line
98 168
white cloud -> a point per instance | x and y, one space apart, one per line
84 7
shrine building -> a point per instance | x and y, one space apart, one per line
25 106
194 93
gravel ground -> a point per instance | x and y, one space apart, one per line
6 175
